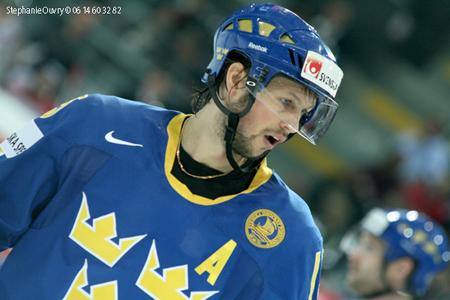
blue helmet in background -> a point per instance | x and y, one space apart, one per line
276 41
411 234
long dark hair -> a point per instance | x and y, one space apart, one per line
202 95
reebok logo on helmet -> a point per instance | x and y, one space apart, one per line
257 47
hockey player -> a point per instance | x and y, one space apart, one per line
104 198
396 255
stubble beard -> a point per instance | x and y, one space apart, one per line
242 144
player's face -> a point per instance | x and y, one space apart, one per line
274 115
365 265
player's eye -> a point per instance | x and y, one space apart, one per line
288 103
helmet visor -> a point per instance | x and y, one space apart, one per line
304 111
350 240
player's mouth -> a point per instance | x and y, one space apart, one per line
271 141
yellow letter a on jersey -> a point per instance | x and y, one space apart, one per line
215 263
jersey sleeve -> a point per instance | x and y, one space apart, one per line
307 270
298 260
314 279
298 276
29 161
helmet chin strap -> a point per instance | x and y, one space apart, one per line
232 124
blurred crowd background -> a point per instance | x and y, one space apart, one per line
389 145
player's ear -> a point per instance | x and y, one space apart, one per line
399 271
235 79
406 266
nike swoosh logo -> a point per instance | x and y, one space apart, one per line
109 138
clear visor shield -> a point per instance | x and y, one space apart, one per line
351 240
302 110
374 224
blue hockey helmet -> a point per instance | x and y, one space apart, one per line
411 234
276 41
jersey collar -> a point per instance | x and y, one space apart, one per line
173 130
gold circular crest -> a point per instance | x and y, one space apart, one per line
264 229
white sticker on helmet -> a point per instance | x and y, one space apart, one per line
375 222
21 140
322 72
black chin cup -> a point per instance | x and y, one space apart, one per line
232 124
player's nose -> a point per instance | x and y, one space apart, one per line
288 128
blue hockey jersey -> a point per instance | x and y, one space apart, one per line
90 207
